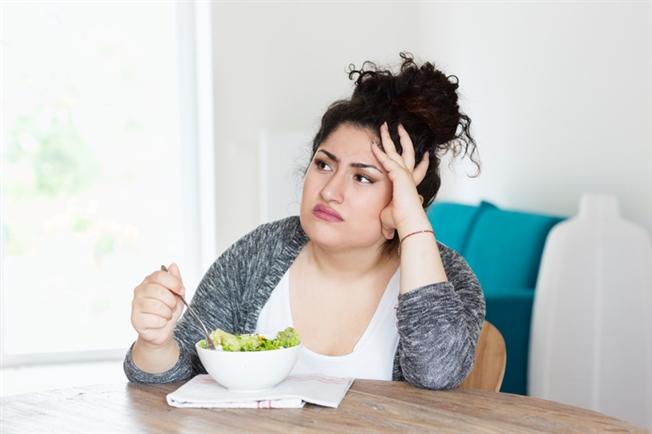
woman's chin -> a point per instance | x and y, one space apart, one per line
323 233
333 237
318 229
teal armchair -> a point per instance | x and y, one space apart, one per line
503 247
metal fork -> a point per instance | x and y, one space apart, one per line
209 341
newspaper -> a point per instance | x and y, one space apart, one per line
293 392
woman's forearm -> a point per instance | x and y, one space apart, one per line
421 263
155 359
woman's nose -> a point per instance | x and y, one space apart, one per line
334 188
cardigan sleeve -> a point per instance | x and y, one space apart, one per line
439 326
216 301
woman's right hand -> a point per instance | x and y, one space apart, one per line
155 308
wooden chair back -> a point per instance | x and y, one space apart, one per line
490 361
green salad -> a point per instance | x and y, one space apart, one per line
252 342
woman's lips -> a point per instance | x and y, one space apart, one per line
326 213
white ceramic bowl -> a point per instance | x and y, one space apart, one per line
249 370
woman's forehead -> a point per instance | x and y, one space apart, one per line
349 141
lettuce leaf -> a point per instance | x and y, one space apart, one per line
286 338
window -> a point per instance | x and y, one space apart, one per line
100 159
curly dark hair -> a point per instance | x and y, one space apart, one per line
423 99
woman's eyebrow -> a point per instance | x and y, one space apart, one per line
360 165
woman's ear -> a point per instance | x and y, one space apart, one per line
388 233
387 222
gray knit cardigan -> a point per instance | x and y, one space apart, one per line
438 324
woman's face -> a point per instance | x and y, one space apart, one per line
357 193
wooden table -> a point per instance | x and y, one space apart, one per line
368 406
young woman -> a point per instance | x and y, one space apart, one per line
359 273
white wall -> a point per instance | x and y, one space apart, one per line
560 98
277 67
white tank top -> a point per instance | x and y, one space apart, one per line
372 357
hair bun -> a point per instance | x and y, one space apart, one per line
416 95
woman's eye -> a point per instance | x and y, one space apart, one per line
320 164
368 181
